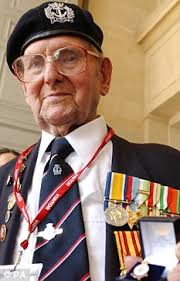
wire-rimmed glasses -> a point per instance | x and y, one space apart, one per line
69 61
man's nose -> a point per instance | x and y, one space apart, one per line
51 73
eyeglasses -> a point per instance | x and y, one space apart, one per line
69 61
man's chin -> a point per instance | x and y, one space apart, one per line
58 123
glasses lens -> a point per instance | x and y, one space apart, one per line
29 68
70 60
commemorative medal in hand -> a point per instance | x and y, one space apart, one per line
141 270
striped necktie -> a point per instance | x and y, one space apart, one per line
65 256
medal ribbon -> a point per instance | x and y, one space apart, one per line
119 189
114 191
129 188
150 200
162 204
173 201
143 192
135 188
154 197
55 195
117 180
156 193
128 244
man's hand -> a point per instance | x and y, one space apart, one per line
131 261
174 275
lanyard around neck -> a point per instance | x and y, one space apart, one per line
55 195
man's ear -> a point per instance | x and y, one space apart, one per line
106 71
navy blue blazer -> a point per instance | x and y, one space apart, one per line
154 162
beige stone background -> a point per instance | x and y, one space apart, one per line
142 38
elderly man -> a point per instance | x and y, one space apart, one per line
56 196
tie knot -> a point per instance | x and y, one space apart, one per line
61 147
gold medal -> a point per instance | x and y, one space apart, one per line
116 216
132 217
11 202
3 232
156 212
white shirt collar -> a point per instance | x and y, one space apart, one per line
85 139
46 139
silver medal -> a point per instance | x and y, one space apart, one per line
116 216
141 270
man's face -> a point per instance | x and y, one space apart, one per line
61 103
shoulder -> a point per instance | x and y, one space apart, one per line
161 162
157 153
147 150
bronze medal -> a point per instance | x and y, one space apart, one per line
116 216
3 232
11 202
132 217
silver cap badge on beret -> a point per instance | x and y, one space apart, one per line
58 12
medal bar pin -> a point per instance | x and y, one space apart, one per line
116 201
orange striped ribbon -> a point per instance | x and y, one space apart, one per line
128 244
173 201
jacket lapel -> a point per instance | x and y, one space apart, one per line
125 161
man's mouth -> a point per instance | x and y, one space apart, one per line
56 96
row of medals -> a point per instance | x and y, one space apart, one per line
121 213
10 206
11 202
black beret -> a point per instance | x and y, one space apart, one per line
51 19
